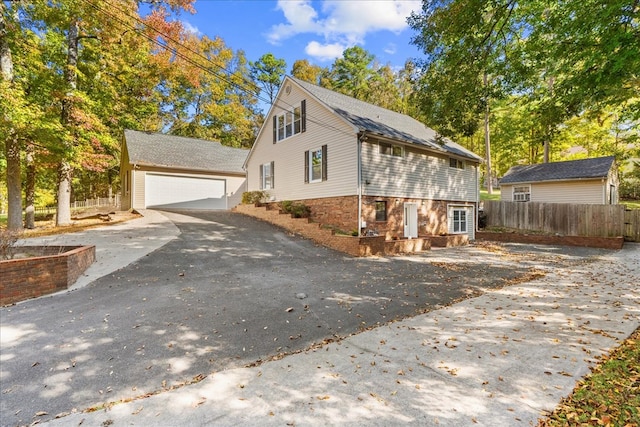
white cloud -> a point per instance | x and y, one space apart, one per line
324 52
190 28
391 48
340 22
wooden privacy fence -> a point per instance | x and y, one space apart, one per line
565 219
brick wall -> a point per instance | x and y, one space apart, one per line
55 270
541 239
351 245
432 216
340 212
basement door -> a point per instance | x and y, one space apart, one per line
410 220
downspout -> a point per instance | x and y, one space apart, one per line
360 139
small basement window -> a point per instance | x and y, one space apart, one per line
381 210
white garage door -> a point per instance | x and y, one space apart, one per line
184 192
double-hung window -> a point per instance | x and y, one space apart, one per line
289 122
456 163
391 149
267 176
315 165
460 220
522 193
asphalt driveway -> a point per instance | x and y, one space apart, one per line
230 291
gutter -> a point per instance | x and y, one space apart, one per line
359 153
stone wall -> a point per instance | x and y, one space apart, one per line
56 269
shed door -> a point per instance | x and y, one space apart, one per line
184 192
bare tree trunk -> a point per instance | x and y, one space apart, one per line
487 139
12 144
63 213
30 187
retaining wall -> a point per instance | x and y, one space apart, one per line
55 269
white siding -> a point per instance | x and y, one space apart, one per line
138 189
592 191
418 174
580 192
323 128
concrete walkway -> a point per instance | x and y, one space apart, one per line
501 359
116 245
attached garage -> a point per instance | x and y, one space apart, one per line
167 172
184 192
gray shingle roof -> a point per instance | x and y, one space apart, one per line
380 121
560 171
157 149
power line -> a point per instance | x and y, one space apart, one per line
225 77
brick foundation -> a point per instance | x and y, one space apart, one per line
540 239
351 245
432 216
56 269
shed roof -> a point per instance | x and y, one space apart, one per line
169 151
380 121
598 167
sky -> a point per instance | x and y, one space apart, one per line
318 31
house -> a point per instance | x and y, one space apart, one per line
165 171
587 181
362 169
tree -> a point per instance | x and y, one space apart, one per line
352 73
12 144
268 71
465 42
302 69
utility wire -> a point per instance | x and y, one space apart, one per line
249 86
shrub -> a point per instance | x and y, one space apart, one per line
296 209
8 239
254 197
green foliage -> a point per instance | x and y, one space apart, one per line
296 209
268 71
254 197
307 72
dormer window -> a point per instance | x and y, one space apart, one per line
290 122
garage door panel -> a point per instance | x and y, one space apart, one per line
184 192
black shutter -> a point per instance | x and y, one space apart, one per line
275 128
324 162
303 113
273 175
261 176
306 166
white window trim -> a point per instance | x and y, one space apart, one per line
460 164
521 196
392 146
459 209
289 117
266 177
311 152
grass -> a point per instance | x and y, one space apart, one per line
486 196
609 396
631 204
